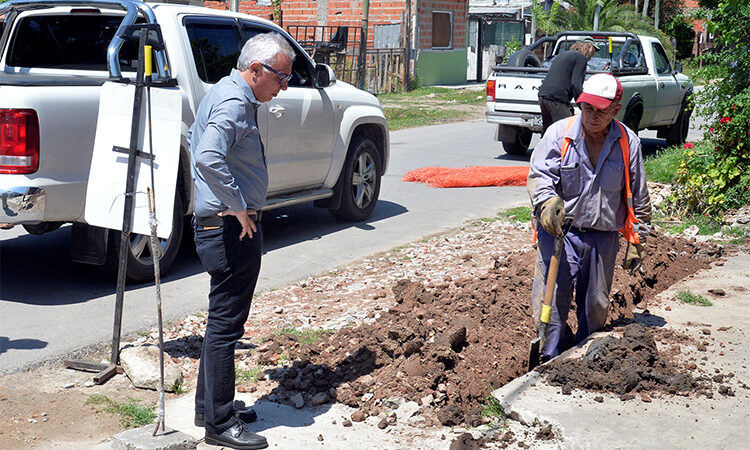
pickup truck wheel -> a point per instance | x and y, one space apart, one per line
360 185
521 145
631 121
140 262
677 133
524 58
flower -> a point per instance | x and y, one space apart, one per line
689 145
725 119
710 130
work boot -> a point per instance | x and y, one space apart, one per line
247 415
237 436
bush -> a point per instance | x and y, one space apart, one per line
714 175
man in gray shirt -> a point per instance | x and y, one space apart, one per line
587 166
231 178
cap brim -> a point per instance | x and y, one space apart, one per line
595 101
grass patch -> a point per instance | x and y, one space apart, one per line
662 167
688 297
521 214
428 105
249 374
132 414
304 337
491 407
705 225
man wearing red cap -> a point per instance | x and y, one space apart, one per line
579 169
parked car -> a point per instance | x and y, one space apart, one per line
655 94
325 140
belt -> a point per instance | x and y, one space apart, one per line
582 230
218 221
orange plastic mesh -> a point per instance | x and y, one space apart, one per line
469 176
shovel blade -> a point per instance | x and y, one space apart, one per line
535 351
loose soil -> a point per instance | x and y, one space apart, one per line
440 322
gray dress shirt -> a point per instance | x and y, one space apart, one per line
594 195
229 165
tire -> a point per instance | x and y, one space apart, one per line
521 145
140 263
359 182
677 133
524 58
631 121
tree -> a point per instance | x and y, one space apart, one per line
612 17
681 29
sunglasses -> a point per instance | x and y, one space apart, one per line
283 79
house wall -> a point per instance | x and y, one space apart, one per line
432 66
441 66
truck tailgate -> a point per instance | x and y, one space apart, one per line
518 94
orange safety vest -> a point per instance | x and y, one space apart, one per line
630 230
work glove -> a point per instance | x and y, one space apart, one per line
551 215
633 258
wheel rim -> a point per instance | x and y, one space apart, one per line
140 247
363 180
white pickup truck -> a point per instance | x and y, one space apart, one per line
325 140
655 95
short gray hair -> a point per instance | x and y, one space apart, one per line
264 48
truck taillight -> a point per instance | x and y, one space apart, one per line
19 141
490 90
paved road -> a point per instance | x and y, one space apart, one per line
50 307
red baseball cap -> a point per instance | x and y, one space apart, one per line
600 91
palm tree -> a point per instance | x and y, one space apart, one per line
612 17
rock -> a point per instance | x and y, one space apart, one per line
278 310
319 399
717 292
383 424
346 423
68 385
408 409
599 399
297 400
358 416
141 365
366 380
427 400
320 437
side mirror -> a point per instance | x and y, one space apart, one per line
678 66
324 75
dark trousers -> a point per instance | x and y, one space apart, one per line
552 111
233 265
587 267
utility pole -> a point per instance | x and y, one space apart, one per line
235 5
533 21
656 14
362 59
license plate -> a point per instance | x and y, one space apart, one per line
537 121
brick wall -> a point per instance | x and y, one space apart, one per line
349 12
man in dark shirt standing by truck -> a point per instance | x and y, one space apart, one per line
564 81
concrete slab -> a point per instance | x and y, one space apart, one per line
142 439
669 421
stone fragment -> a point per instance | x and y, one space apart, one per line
319 399
408 409
358 416
297 400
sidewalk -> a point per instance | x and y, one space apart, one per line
669 421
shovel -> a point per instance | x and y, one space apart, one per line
537 344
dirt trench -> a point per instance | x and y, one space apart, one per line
446 345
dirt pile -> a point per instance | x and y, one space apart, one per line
445 346
626 365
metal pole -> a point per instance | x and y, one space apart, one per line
235 5
656 15
407 45
127 218
362 62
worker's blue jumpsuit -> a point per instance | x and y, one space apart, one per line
595 197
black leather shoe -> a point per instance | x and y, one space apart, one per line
247 415
237 436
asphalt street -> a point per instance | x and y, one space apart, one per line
52 308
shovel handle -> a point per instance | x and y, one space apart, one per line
549 291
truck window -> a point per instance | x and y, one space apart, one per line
216 46
301 70
661 62
68 42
